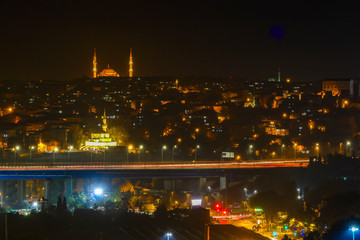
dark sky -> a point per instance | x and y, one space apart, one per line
54 39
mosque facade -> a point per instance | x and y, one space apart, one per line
109 72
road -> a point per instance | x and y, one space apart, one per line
271 163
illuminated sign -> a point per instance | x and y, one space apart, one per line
100 143
227 154
196 202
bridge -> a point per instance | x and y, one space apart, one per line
63 173
58 169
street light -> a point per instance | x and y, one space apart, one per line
168 235
317 148
162 152
70 149
30 150
295 145
98 191
173 152
348 144
250 150
140 149
196 149
35 204
354 229
17 148
127 152
55 150
282 151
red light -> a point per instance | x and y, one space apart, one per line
217 206
225 211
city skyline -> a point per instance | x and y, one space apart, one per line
54 41
175 120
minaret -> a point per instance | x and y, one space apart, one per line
94 64
131 64
104 125
279 75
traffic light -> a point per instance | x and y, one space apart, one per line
217 206
286 227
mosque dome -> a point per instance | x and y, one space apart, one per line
108 72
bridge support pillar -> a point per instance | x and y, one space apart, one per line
2 192
224 188
46 188
20 191
202 183
170 184
68 187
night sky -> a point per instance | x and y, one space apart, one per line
54 39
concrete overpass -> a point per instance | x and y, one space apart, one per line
138 169
63 173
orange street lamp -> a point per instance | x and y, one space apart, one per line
55 150
162 152
282 150
140 149
348 144
127 152
17 148
30 150
173 152
317 148
196 149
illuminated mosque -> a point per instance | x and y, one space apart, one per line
109 72
101 139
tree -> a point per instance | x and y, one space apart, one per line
64 204
76 136
79 200
161 214
340 206
59 205
269 201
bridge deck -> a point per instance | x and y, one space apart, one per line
273 163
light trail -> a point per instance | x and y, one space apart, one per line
273 163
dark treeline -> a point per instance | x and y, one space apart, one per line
93 225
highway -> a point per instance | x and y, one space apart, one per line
268 163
